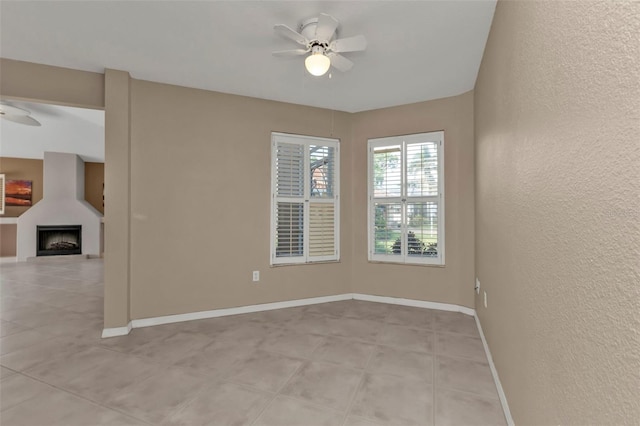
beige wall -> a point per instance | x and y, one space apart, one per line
557 119
117 195
454 282
200 200
8 239
93 184
23 169
185 225
44 83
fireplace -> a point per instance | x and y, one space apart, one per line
59 240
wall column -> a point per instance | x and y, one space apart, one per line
117 187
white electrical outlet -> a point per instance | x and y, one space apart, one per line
485 299
477 286
256 275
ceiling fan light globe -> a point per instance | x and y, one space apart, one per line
317 64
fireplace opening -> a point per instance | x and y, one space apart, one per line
59 240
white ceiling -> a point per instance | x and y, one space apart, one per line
417 50
64 129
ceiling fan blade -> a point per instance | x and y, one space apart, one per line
22 119
287 32
293 52
327 25
349 44
11 110
339 62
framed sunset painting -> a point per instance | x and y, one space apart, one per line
17 192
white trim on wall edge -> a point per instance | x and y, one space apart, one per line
494 372
147 322
191 316
415 303
8 259
117 331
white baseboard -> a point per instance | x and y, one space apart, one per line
8 259
147 322
415 303
117 331
191 316
494 372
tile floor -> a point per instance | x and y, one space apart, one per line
343 363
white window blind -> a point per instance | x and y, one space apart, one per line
305 199
406 199
2 193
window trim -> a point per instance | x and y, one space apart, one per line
2 193
306 141
403 141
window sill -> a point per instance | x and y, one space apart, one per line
383 262
323 262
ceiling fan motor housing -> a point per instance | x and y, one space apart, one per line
318 48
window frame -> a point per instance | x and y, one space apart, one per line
307 199
403 141
3 193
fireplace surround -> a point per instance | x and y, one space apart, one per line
55 240
62 203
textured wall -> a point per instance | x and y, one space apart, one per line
557 113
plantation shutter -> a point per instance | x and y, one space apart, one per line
1 193
304 199
322 222
289 207
406 193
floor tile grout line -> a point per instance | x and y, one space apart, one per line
352 399
80 281
311 403
460 358
449 333
186 402
360 384
308 360
471 393
434 378
277 393
84 398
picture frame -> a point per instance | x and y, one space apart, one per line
18 192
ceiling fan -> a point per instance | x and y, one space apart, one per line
18 115
317 36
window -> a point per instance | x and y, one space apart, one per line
406 199
304 199
1 193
